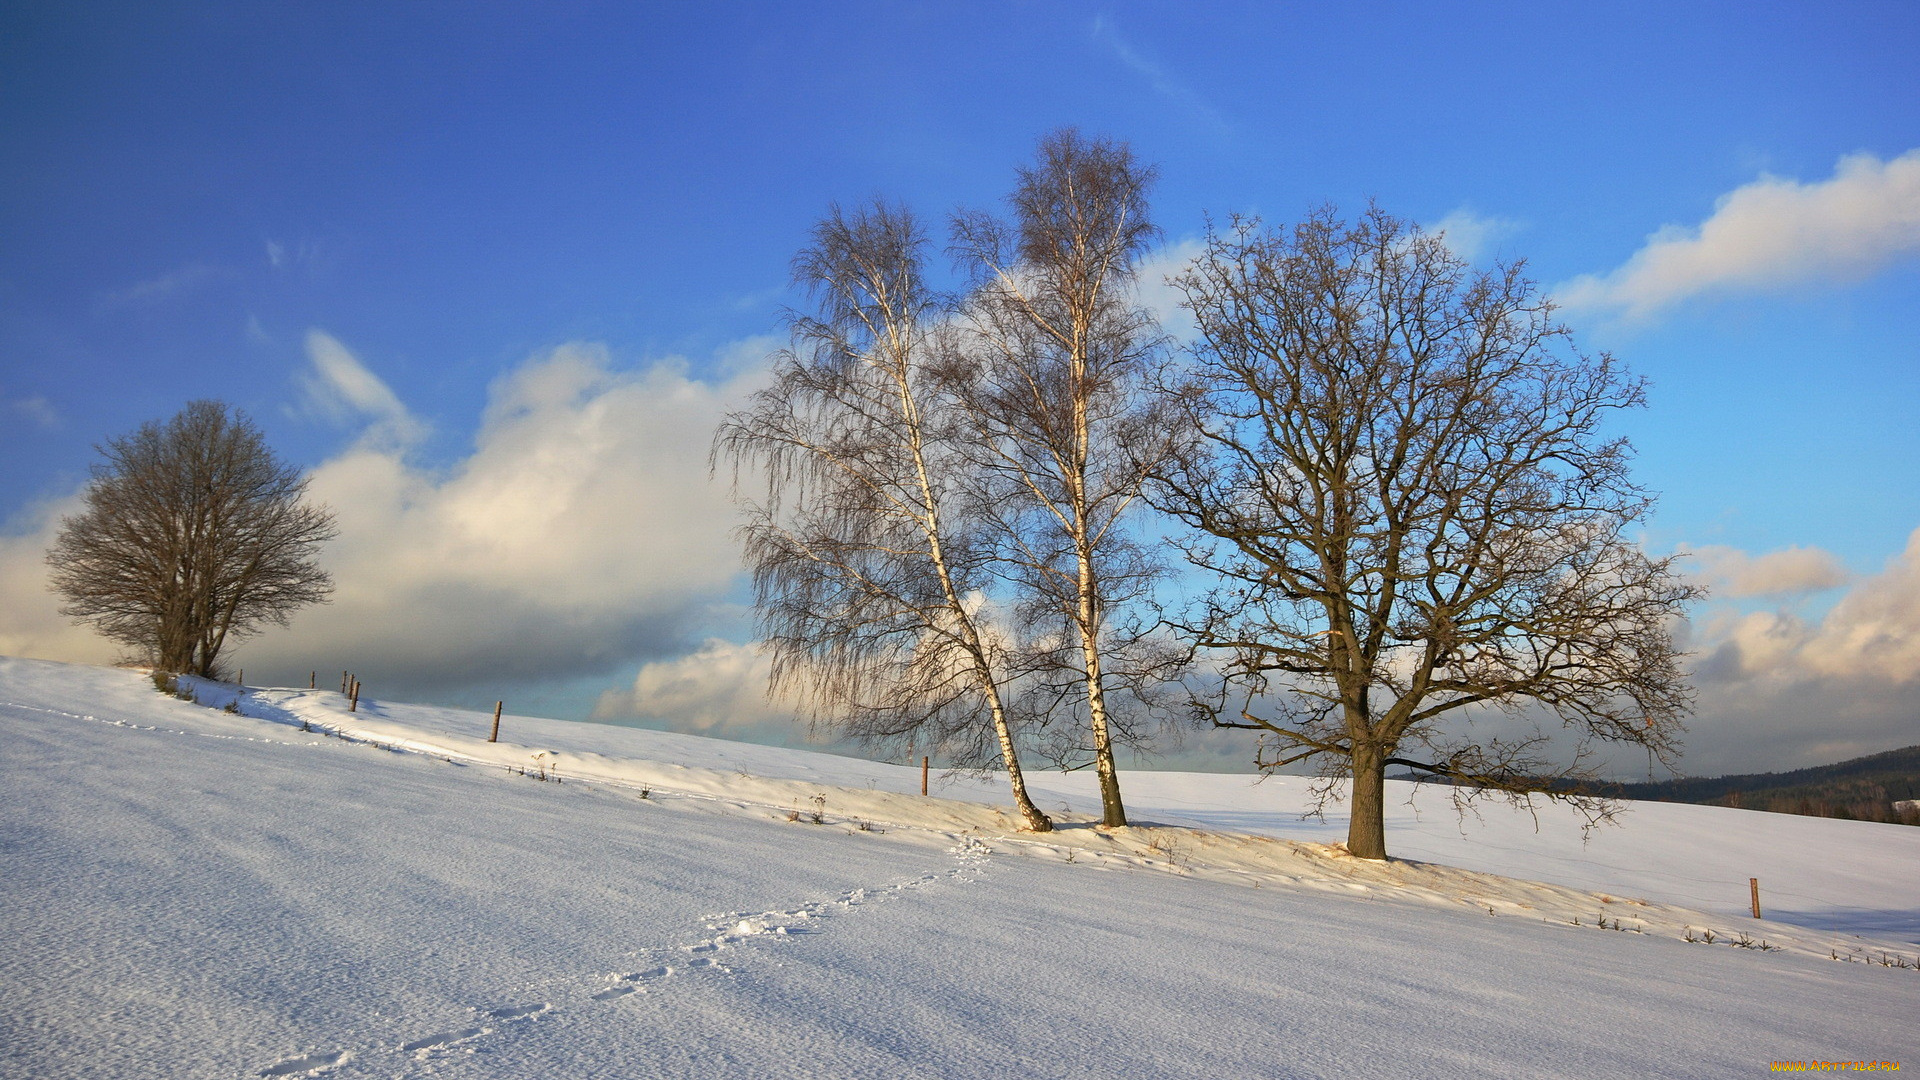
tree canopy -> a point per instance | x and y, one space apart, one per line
1401 482
193 535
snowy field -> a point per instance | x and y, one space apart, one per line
194 893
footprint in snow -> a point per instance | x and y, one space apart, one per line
445 1038
630 983
744 925
306 1063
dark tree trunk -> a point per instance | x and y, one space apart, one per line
1367 828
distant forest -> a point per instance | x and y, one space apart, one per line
1863 789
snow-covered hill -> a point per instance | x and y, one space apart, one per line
189 892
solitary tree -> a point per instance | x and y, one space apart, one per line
1401 480
869 575
1065 430
193 535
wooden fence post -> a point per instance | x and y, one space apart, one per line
495 737
243 678
1753 883
312 677
924 763
353 698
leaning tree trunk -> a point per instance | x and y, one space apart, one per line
1036 820
983 668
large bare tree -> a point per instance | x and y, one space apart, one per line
1402 480
1062 358
193 535
868 571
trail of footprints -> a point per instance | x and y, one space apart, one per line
726 931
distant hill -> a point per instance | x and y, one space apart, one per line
1863 789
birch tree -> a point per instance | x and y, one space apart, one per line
193 535
869 575
1402 480
1065 431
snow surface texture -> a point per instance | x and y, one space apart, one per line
193 893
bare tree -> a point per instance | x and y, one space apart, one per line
1402 482
193 536
1065 430
869 579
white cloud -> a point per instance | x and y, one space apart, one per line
1470 235
747 356
1779 690
340 386
1157 77
583 533
174 282
30 621
1734 574
1874 631
1771 234
35 409
719 690
1156 293
280 255
1871 633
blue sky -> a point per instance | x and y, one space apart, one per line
430 246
